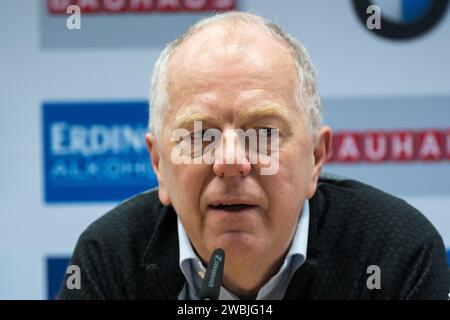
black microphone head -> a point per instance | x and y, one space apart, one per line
212 282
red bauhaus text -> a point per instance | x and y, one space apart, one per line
429 145
56 7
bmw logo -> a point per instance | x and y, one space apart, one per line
403 19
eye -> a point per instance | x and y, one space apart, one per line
265 132
268 140
197 135
191 138
197 145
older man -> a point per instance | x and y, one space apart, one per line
286 232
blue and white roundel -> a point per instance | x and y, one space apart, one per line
403 11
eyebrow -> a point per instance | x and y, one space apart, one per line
266 111
188 118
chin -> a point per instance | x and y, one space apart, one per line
236 243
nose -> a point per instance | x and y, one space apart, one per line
231 159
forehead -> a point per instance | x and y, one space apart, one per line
222 72
224 50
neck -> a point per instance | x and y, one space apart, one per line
246 281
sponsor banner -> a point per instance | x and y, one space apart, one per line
56 268
400 19
122 23
95 151
396 146
138 6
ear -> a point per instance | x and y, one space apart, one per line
152 147
322 146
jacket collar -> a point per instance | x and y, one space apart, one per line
161 256
302 281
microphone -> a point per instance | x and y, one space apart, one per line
212 281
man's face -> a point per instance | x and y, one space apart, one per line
229 83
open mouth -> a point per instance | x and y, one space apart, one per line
231 207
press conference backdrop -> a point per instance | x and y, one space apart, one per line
73 112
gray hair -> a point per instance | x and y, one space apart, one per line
306 91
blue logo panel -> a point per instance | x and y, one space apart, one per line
413 10
56 268
95 151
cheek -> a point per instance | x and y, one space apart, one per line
288 189
184 184
294 172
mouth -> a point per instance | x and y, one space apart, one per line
236 205
234 217
231 207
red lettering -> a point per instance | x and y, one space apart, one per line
402 146
195 5
58 6
115 6
376 146
349 147
383 146
447 143
89 6
220 5
141 5
169 5
430 145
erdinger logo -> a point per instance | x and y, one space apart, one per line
95 151
403 19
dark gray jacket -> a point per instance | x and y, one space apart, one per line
132 251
